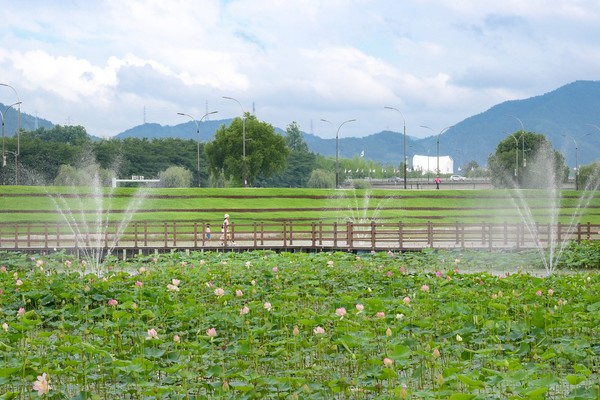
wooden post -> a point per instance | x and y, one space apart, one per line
429 234
373 235
349 235
335 234
401 235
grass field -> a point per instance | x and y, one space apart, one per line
42 204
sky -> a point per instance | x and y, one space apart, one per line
110 65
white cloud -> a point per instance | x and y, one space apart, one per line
101 63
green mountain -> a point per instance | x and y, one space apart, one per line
567 115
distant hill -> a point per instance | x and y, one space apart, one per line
28 122
571 110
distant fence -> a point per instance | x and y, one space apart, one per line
290 236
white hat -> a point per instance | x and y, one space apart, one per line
226 215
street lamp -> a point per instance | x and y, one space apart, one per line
516 157
437 144
3 115
243 138
404 133
337 162
522 137
197 138
576 162
18 131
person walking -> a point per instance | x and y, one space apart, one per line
225 233
437 182
207 231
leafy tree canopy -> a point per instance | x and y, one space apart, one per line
527 160
265 150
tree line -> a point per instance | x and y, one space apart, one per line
248 152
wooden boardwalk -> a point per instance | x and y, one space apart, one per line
146 237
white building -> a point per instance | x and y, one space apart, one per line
429 164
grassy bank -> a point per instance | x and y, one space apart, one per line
42 204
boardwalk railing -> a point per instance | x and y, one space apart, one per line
395 236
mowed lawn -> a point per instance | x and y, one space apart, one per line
21 204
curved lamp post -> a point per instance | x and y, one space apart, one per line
3 115
243 139
337 162
437 144
197 138
576 161
18 131
404 146
516 156
522 137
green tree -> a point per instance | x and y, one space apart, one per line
265 150
527 160
300 162
175 177
589 176
321 179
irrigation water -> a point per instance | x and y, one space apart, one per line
542 177
89 212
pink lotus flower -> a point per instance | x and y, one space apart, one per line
267 306
402 270
436 353
538 293
330 263
550 292
211 332
175 282
239 293
388 332
19 282
219 292
42 385
438 274
5 327
39 263
139 283
3 268
142 270
176 339
244 310
113 302
425 288
380 315
340 312
319 331
360 308
296 331
406 300
389 274
20 312
172 288
275 269
152 334
388 362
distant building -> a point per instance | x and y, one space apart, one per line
429 164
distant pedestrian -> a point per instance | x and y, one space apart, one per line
437 182
225 232
208 231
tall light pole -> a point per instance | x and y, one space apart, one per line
3 115
337 162
437 145
197 138
576 162
516 157
404 135
18 131
522 137
243 139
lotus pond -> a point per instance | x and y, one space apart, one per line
263 325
